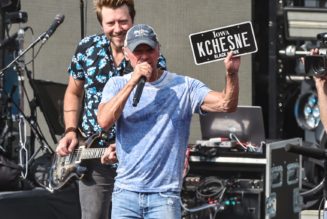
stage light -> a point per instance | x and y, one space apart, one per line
306 111
304 23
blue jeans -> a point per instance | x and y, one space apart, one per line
127 204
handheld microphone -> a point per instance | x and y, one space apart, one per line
57 21
139 90
306 151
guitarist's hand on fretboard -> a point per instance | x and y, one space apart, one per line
109 156
67 144
71 152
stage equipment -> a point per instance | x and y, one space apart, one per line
283 181
36 85
304 23
225 198
245 185
11 85
307 115
244 127
231 182
306 111
16 17
8 133
316 65
293 51
10 39
318 154
21 71
43 37
9 174
227 167
243 177
25 156
49 96
10 5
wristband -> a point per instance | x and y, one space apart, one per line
70 129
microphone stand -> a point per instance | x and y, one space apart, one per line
20 68
2 54
41 37
43 142
7 133
24 159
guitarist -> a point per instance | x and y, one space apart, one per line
97 58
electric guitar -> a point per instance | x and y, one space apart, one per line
63 169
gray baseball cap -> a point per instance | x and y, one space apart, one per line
141 34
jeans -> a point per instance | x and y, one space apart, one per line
95 190
128 204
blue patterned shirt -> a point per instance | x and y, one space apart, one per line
94 63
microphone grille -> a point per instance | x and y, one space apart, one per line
60 18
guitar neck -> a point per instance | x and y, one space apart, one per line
91 153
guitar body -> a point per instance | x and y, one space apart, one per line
64 169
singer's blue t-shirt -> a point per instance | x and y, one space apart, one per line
152 137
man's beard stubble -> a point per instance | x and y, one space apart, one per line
117 40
